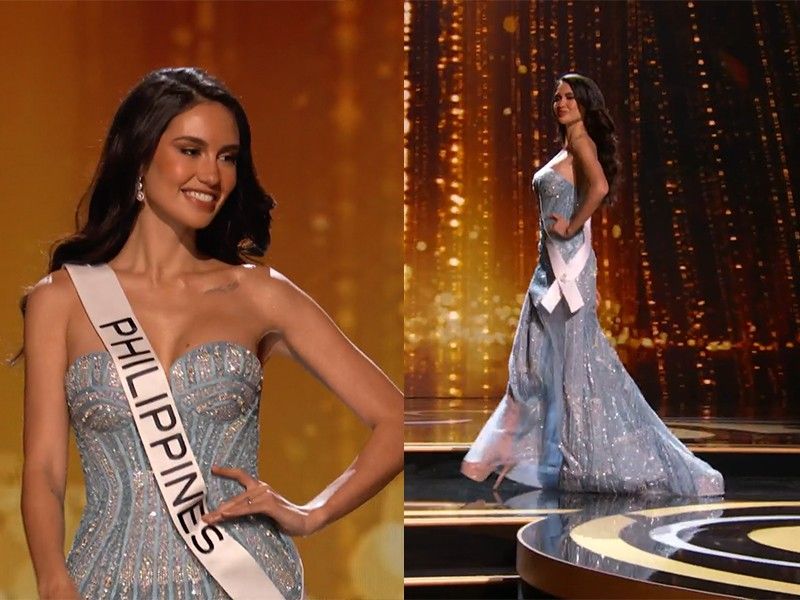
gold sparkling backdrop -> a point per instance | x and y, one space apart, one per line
319 82
698 260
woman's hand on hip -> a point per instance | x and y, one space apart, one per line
559 227
258 498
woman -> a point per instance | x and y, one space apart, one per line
572 418
175 218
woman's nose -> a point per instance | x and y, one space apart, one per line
208 172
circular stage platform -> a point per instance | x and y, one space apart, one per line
465 539
614 547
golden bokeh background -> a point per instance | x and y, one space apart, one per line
320 82
698 259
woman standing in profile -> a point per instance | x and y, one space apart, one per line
175 218
572 418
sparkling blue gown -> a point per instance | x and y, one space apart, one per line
126 545
572 418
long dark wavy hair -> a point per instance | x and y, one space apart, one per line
238 234
238 231
598 123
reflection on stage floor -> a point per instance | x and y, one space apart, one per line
637 547
452 423
520 542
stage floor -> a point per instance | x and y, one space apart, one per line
451 424
746 544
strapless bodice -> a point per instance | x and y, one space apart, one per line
556 194
126 536
212 383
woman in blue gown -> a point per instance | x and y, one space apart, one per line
178 215
572 418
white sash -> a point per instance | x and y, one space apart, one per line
163 437
566 273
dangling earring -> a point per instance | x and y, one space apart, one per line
140 190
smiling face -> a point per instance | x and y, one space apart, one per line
565 108
193 169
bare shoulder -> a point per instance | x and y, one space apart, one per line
582 145
586 161
276 299
48 309
265 280
51 297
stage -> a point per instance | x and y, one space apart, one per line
696 276
464 539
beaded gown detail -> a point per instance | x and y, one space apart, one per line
572 418
126 545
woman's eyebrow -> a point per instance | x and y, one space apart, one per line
202 142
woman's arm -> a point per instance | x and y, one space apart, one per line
588 169
314 340
45 435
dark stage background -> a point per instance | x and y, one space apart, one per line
698 259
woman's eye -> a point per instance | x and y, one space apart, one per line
189 151
231 158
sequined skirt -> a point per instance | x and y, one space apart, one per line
572 418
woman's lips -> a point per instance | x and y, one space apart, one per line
208 206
